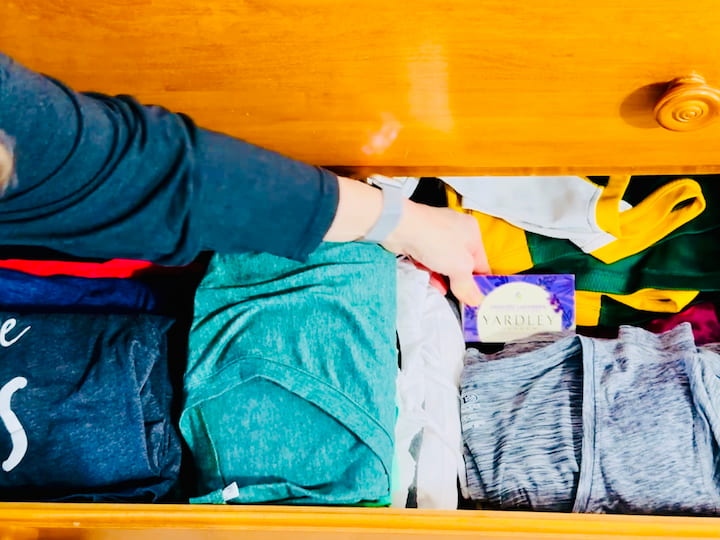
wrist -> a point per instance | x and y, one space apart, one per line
399 241
359 206
390 216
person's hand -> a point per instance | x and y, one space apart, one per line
445 241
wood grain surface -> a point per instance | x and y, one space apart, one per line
422 87
208 522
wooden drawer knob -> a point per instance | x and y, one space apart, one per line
688 104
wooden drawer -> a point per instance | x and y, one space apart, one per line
422 88
177 522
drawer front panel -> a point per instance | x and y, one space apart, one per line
424 87
145 522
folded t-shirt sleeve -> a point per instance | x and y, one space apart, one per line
102 176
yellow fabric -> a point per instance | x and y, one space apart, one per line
508 253
649 221
589 303
587 308
505 245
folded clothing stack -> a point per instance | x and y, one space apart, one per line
626 425
289 394
85 404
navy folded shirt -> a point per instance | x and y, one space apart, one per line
21 291
85 408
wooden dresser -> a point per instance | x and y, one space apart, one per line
426 87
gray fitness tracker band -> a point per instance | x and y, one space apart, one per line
392 210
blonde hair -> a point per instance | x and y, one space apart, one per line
7 162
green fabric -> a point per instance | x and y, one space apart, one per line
613 311
290 388
687 262
685 259
614 314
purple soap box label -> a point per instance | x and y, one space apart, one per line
518 306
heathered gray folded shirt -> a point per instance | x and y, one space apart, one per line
590 425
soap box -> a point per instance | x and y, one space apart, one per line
518 306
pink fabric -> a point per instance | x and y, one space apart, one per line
116 268
702 317
437 281
113 268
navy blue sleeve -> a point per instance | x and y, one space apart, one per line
101 176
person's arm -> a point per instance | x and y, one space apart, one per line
101 176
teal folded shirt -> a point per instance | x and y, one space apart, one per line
290 386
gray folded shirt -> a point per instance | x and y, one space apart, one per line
591 425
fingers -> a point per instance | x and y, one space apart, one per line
462 283
480 261
466 290
473 238
467 253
